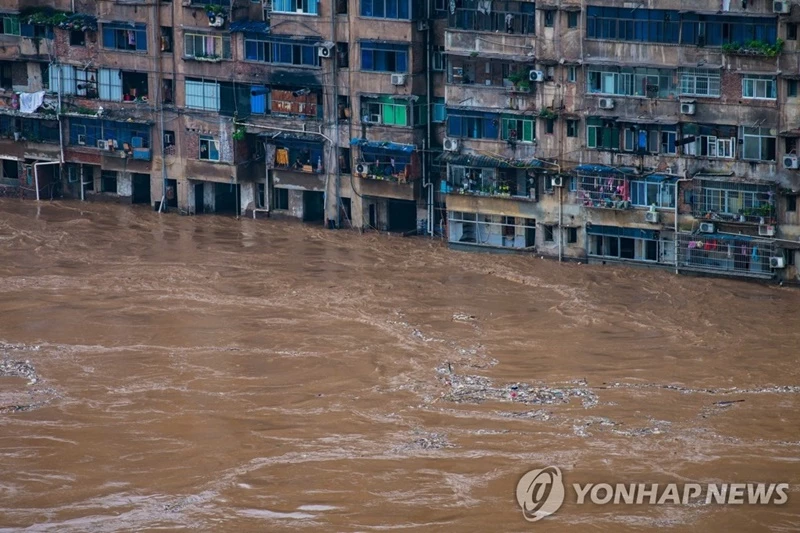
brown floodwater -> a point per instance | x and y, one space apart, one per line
215 374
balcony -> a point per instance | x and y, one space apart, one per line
734 202
511 183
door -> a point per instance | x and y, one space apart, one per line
198 198
313 206
141 188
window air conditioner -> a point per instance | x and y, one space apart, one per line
781 7
450 145
707 227
777 262
766 230
362 169
536 75
606 103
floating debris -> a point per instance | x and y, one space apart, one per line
18 369
462 317
478 389
538 414
772 389
427 441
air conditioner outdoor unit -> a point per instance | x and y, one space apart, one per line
81 139
372 119
687 108
398 79
422 25
707 227
103 145
325 50
606 103
450 145
790 161
557 181
777 262
781 7
216 21
651 217
362 169
766 230
536 75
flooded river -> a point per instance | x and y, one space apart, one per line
216 374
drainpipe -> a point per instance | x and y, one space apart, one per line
560 231
675 232
83 171
334 111
426 143
36 173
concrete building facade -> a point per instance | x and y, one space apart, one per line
660 133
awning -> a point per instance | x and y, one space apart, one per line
597 169
791 133
383 145
662 121
485 161
660 178
249 26
488 55
285 136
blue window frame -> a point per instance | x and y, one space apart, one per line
36 31
122 36
102 130
386 9
473 125
284 52
258 99
716 30
383 57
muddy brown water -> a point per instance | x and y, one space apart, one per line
216 374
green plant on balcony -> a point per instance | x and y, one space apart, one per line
239 133
547 113
44 17
215 10
754 47
520 81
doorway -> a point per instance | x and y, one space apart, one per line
199 201
402 215
141 188
313 206
172 193
226 198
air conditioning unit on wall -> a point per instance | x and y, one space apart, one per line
777 262
362 169
325 50
557 181
606 103
790 161
687 108
398 79
536 75
707 227
651 217
450 145
781 7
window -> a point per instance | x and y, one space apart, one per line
167 91
280 199
204 45
650 139
758 144
759 87
791 88
573 184
386 9
77 38
572 128
341 7
623 243
572 19
791 31
572 235
10 25
379 57
626 24
209 150
386 110
658 192
169 138
301 102
202 94
572 74
602 134
549 125
699 82
649 82
6 75
518 129
791 203
36 31
166 39
549 18
122 36
472 125
548 234
282 52
506 17
108 181
85 131
306 7
258 99
438 59
719 197
343 55
439 110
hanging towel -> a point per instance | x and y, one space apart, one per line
131 38
755 253
30 102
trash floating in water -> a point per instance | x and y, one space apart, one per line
462 317
18 369
771 389
478 389
427 441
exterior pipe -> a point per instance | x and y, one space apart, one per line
675 232
426 144
560 231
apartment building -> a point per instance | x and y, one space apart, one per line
662 133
